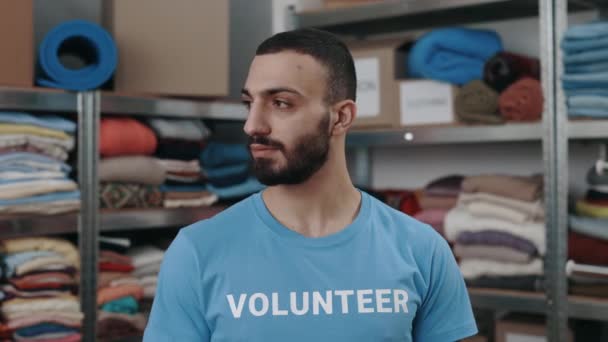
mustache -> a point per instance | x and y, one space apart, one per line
262 140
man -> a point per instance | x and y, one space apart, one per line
311 258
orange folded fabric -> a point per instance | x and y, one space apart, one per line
108 294
124 136
522 101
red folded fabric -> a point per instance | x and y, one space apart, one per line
522 101
124 136
504 68
587 250
114 257
402 200
113 267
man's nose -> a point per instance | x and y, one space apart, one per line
257 122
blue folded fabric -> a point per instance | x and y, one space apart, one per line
588 101
249 187
11 261
587 91
586 68
590 112
44 328
22 158
587 31
597 228
586 57
125 305
218 154
46 198
223 176
26 180
182 188
454 55
91 42
43 120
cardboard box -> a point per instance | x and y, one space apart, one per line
523 328
378 64
426 102
17 41
171 47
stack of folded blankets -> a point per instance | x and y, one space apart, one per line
130 177
147 260
33 173
437 199
38 290
118 293
498 231
588 236
228 170
180 142
585 79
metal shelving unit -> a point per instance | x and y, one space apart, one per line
554 132
140 219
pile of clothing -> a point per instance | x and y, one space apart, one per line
38 290
147 260
118 292
33 170
437 199
498 231
130 177
180 142
585 79
588 236
228 170
496 86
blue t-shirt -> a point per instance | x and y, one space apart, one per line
243 276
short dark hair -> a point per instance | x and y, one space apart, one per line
327 49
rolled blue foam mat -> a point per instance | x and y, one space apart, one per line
84 41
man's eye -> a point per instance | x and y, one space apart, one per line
247 104
281 104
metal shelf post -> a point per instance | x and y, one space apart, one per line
88 219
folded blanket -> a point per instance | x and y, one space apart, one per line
125 136
181 129
179 149
249 187
587 112
7 140
129 195
584 208
437 202
12 261
18 305
42 263
504 68
223 176
178 166
51 151
218 154
597 228
586 57
474 268
53 203
38 318
590 68
114 267
588 101
477 103
520 283
59 313
151 269
194 178
138 320
203 201
493 253
49 121
6 128
459 220
146 255
129 170
490 210
30 188
445 186
433 217
148 280
516 187
586 36
32 161
44 328
586 249
534 210
574 267
60 246
454 55
149 291
167 188
580 81
58 337
8 291
42 280
401 200
125 304
111 256
106 279
108 294
111 329
522 101
6 175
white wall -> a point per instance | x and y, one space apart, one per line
414 166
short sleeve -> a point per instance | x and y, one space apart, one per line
445 313
177 313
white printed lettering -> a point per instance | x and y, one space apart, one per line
275 306
401 298
294 303
381 300
252 307
344 295
237 310
317 300
361 301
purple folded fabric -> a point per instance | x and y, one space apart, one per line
496 238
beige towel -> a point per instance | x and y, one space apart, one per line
534 210
494 253
36 187
517 187
474 268
49 208
60 246
60 303
132 169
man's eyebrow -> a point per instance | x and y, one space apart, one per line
272 91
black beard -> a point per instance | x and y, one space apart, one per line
308 156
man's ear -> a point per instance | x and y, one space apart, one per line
345 114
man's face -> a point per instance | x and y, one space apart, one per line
289 122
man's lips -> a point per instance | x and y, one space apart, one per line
259 148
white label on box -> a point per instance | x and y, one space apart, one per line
511 337
425 102
368 87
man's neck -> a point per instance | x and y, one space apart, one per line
324 204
